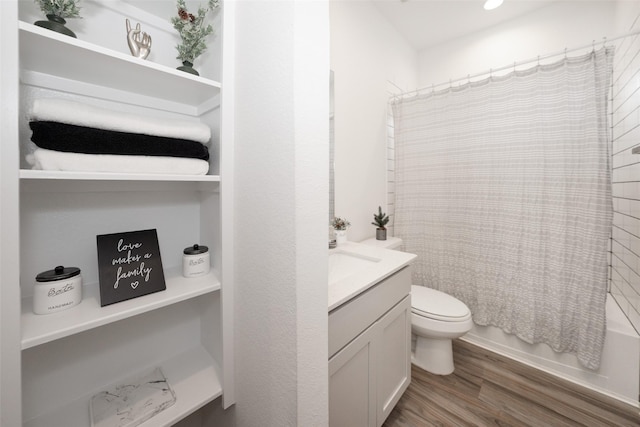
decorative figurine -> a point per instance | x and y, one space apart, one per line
139 43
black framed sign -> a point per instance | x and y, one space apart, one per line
129 265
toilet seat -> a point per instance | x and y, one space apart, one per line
436 305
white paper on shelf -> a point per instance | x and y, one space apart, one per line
130 403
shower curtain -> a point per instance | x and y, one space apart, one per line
503 191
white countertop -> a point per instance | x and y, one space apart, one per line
370 265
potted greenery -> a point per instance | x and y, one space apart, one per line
193 32
380 220
56 11
340 226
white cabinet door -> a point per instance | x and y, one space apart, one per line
393 357
369 375
352 387
370 340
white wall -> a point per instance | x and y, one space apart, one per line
550 29
366 53
281 187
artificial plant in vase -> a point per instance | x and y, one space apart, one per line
380 220
340 226
56 11
193 31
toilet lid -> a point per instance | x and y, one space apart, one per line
437 305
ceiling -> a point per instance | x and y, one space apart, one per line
426 23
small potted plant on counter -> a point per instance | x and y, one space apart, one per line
380 220
340 226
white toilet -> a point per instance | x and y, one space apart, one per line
436 319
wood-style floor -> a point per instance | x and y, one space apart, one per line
487 389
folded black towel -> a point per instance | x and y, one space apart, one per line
79 139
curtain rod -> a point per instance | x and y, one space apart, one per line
515 64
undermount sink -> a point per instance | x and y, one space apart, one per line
355 267
344 264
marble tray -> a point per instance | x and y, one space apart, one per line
130 403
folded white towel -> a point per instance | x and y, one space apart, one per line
80 114
59 161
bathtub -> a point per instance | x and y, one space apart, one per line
620 363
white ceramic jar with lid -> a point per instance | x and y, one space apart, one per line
195 261
57 290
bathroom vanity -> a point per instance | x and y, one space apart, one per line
369 333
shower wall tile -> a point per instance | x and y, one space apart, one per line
621 237
617 282
624 157
625 160
616 292
634 317
625 140
628 190
628 223
632 207
622 206
625 175
616 191
390 115
625 124
634 299
626 282
624 189
391 175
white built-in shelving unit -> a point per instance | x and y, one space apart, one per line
51 365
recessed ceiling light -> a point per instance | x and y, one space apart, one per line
492 4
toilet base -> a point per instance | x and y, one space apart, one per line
433 355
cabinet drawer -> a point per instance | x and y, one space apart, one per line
353 317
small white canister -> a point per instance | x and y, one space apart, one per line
195 261
57 290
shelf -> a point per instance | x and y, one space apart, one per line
46 52
105 176
60 361
40 329
193 375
